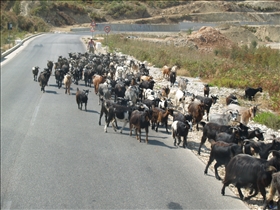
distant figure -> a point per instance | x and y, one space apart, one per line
91 46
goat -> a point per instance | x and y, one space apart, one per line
139 120
160 116
206 90
44 78
207 101
246 114
222 152
119 90
210 131
231 99
246 171
59 75
104 91
256 132
105 104
174 68
166 71
180 129
224 118
185 118
261 148
117 112
180 97
196 109
164 103
235 137
82 97
251 92
131 94
165 91
182 84
151 103
35 71
50 66
274 187
67 82
147 84
172 78
97 80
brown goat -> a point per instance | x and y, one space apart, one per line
160 116
196 109
274 187
97 80
166 71
165 92
139 120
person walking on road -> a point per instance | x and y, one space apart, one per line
91 46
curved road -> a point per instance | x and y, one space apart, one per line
54 156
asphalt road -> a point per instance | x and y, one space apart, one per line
54 156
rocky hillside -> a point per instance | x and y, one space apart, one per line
59 13
38 16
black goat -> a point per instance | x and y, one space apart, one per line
206 90
222 152
261 148
185 118
35 71
43 78
251 92
59 76
256 132
82 98
172 78
210 130
246 171
207 101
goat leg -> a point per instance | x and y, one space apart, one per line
139 134
147 131
216 171
240 193
179 140
166 127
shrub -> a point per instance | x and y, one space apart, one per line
269 119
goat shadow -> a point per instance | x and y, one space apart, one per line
90 111
51 91
173 205
53 85
195 145
154 142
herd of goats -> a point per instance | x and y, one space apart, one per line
126 94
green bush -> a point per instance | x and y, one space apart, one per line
269 119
